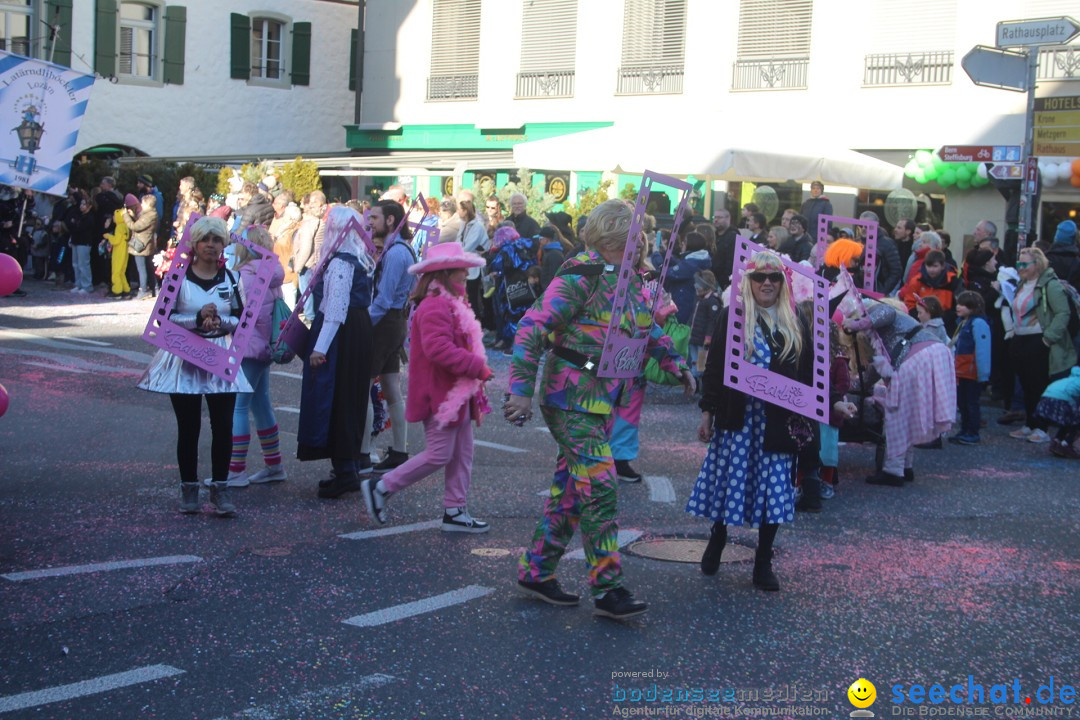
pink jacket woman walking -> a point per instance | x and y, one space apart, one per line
447 371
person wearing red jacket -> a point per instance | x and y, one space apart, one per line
447 370
934 279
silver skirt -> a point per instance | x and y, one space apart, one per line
168 373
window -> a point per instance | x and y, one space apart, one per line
547 58
270 49
16 21
774 45
912 42
138 40
455 50
266 56
653 47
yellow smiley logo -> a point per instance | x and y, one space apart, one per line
862 693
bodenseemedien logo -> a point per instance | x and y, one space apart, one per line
862 694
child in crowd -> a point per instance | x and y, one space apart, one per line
928 311
447 370
839 386
971 345
702 322
1060 404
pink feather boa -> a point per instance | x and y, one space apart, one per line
464 389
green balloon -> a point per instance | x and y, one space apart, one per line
979 181
931 173
947 177
963 184
923 158
920 177
963 173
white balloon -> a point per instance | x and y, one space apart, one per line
1050 180
1049 173
981 170
1064 169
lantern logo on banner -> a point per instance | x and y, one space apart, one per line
740 374
869 243
41 109
623 357
163 333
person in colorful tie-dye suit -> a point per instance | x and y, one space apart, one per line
578 408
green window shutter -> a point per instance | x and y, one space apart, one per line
352 59
301 53
105 38
240 57
175 42
58 12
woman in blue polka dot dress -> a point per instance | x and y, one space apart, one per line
747 475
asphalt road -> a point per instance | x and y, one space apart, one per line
293 610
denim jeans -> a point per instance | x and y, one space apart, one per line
257 402
302 281
967 397
80 259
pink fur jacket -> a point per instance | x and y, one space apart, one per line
447 362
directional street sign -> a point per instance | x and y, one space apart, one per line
1057 126
1040 31
996 68
1008 171
979 153
1031 176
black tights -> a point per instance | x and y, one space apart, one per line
188 409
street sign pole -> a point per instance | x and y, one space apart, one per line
1027 199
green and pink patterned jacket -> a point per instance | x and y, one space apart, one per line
576 310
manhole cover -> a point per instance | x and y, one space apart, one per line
278 551
686 550
491 552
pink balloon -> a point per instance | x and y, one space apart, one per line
11 275
3 400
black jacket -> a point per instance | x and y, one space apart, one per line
811 208
889 270
723 260
1065 259
728 406
258 211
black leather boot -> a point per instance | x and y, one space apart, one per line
710 559
764 578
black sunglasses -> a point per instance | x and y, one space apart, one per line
774 277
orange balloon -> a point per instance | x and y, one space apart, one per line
1076 167
1075 181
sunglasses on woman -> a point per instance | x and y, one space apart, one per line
774 277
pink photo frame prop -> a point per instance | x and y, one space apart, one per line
294 333
811 401
224 362
869 254
624 357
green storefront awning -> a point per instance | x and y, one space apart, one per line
459 136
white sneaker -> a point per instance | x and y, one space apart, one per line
1021 434
1038 436
269 474
233 480
459 520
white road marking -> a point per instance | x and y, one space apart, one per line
543 428
138 358
62 368
286 409
419 607
70 361
83 340
99 567
625 537
87 687
282 373
660 489
323 697
497 446
545 493
396 530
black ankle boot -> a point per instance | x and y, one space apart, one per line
710 559
764 578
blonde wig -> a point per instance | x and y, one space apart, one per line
608 226
787 322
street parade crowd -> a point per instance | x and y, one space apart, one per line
917 341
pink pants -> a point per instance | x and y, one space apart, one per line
449 447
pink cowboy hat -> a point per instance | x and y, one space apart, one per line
446 256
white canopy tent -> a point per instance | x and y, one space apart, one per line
631 150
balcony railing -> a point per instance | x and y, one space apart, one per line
451 87
919 68
551 84
649 80
770 74
1059 63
